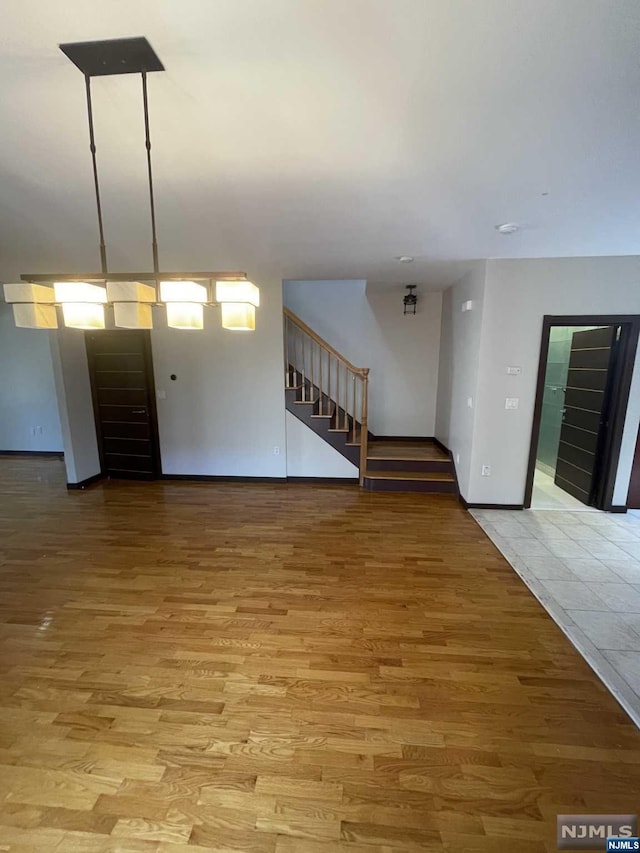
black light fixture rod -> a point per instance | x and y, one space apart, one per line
92 146
156 266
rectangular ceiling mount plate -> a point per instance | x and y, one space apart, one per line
113 56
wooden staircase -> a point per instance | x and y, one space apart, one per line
330 395
409 466
323 416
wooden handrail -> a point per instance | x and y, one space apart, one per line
361 371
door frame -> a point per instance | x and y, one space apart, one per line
633 495
145 335
623 374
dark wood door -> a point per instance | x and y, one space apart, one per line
586 406
121 373
633 500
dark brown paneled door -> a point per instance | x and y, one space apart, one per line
586 412
121 373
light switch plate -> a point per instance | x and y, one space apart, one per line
512 402
468 305
470 402
162 395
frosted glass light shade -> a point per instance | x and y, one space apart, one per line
83 315
182 291
25 292
185 315
32 315
238 316
130 291
79 291
132 315
237 291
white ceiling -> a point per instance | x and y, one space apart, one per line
321 138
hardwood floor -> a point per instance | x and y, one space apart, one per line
406 450
283 669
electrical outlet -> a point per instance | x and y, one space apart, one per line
39 430
514 371
512 402
33 430
276 451
486 470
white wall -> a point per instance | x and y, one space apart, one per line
27 390
308 455
458 373
225 412
73 389
518 294
369 329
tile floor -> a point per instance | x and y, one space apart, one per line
546 495
584 568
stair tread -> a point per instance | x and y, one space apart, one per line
329 413
427 476
406 451
441 460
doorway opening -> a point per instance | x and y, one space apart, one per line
583 388
122 386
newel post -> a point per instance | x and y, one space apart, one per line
364 423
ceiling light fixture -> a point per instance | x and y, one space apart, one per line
82 304
508 228
239 300
404 259
410 299
33 305
132 301
82 297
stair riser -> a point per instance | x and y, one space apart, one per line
417 465
432 487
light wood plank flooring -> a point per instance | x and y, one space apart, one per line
283 669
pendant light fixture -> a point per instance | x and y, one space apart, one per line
32 305
184 300
410 299
238 301
82 298
82 304
132 301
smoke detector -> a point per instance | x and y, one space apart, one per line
508 228
404 259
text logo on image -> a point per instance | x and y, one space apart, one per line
591 831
